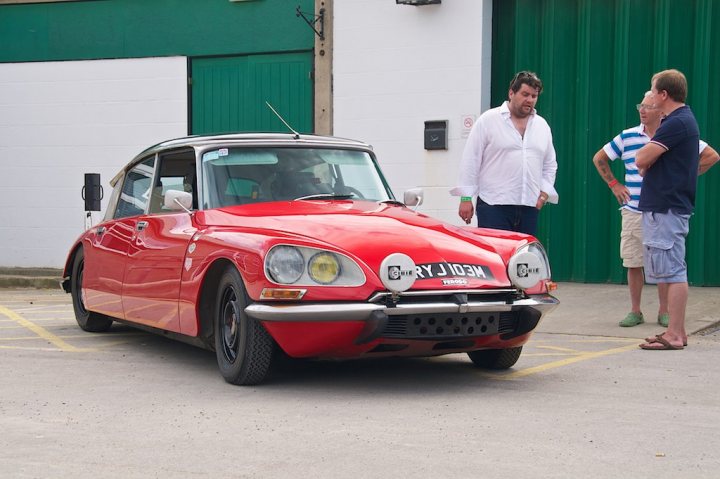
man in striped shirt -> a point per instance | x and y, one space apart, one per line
625 146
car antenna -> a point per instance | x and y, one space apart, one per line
297 135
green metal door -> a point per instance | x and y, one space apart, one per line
596 58
229 94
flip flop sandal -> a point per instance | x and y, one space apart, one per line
654 339
666 346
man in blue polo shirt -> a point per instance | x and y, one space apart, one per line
669 166
624 146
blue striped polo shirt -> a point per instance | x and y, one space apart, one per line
625 146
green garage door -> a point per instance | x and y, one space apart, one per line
229 93
596 58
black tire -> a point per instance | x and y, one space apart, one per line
243 348
87 320
495 358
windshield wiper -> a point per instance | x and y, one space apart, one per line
326 196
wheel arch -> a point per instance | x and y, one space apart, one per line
207 296
69 262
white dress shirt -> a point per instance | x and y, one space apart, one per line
504 168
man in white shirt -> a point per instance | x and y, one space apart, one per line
509 162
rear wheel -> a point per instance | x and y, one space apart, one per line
495 358
87 320
243 348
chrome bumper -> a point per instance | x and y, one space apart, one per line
366 311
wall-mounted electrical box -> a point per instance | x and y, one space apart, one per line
436 135
92 192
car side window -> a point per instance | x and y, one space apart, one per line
135 192
176 172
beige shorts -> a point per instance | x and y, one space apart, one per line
631 239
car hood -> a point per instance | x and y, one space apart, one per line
370 231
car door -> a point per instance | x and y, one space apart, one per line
156 253
106 253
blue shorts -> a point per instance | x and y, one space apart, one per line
664 247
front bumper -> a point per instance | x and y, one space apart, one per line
427 317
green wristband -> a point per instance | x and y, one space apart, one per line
466 198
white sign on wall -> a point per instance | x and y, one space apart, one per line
467 122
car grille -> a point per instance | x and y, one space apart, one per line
449 325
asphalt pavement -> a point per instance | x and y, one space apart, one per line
596 309
582 401
589 309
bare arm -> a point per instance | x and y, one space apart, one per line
647 156
602 164
708 158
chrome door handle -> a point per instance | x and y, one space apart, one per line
141 225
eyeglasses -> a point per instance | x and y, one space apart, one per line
529 78
640 106
524 75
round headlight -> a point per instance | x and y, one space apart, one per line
285 264
528 266
324 268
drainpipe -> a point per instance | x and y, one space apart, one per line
323 103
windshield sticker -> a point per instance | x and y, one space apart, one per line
440 270
223 152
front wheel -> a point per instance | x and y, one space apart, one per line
87 320
243 348
495 358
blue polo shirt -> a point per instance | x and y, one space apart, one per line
671 181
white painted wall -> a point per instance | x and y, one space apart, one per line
397 66
60 120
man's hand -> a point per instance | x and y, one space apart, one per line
622 194
466 211
542 199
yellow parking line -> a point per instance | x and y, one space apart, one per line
29 348
52 350
58 319
605 339
80 336
559 349
40 331
41 310
543 355
563 362
113 343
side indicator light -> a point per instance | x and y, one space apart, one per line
286 294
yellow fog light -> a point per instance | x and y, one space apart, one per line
324 268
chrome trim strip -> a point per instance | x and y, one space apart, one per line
364 311
435 292
313 312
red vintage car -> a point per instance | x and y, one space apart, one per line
249 244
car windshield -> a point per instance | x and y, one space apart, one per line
236 176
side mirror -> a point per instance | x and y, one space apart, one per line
176 200
92 192
413 197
